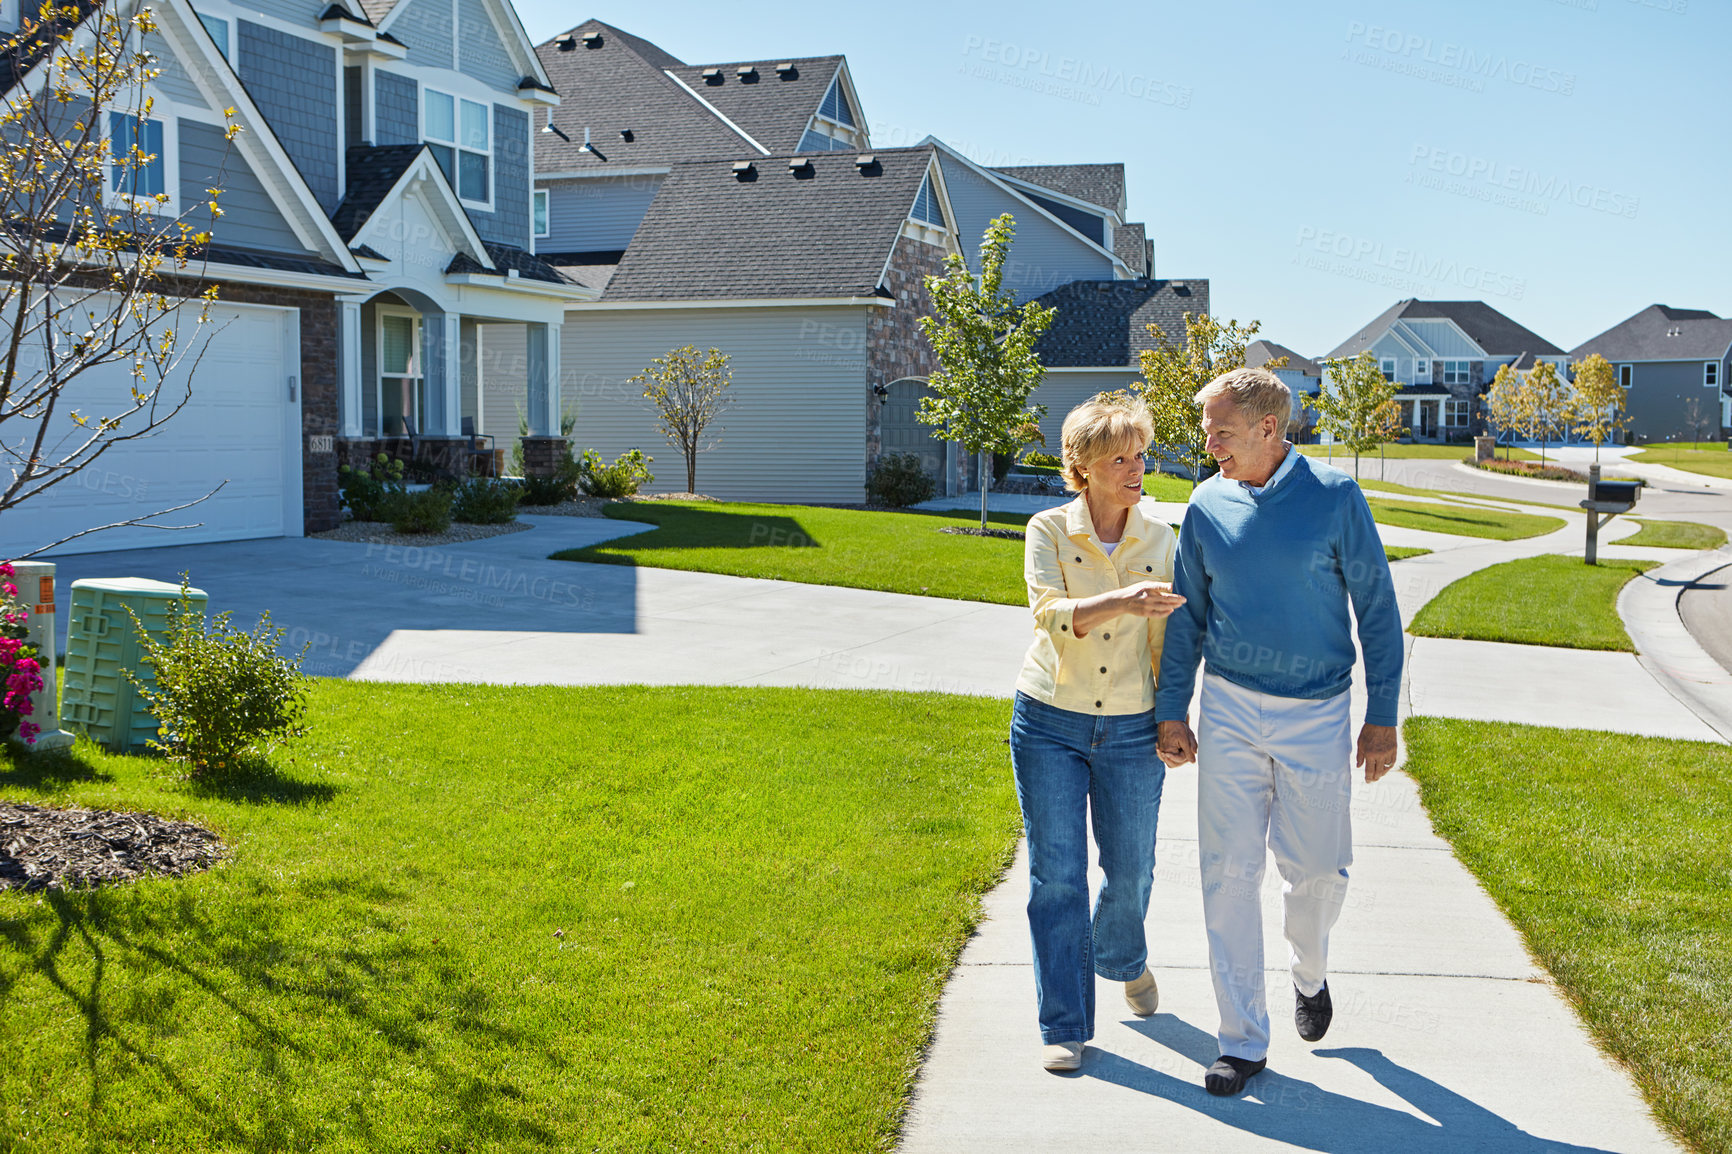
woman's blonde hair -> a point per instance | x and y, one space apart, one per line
1104 424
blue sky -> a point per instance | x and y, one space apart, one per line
1566 161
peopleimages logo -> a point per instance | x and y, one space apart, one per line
1067 77
1485 177
1408 269
1456 64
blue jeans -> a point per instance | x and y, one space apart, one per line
1066 765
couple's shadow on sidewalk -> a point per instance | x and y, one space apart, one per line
1303 1114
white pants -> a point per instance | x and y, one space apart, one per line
1274 771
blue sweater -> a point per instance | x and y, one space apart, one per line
1268 579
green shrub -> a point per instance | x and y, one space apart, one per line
553 490
428 511
222 696
482 501
629 473
367 493
900 480
1042 460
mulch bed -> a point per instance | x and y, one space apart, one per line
381 533
51 849
977 531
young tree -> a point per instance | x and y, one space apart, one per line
689 390
984 344
1697 419
1552 401
1510 403
1597 409
1172 376
1356 405
94 272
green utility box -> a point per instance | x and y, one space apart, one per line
96 697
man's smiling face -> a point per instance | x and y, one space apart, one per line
1246 450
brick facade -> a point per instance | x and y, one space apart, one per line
895 346
543 456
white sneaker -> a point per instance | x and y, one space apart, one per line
1142 995
1062 1055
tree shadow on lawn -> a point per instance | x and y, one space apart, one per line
110 952
49 771
260 783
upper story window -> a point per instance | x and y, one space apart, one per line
1422 371
926 209
140 167
458 132
1711 374
218 28
835 104
539 212
1626 375
1388 367
1457 372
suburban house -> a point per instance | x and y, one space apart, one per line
741 205
1675 365
1300 374
1442 355
377 211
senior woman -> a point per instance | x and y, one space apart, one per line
1099 573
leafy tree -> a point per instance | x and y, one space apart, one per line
1172 377
984 344
1598 408
1509 402
1356 405
94 271
1552 403
689 389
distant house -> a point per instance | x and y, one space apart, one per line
1668 358
1301 374
1442 355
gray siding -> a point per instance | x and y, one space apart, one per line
396 120
469 339
600 214
294 83
1659 393
508 223
354 131
425 26
173 80
1062 390
369 369
480 52
795 432
250 219
1043 255
298 11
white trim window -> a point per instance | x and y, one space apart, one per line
148 172
1421 371
460 134
1388 365
1455 414
538 212
1457 372
1710 374
1626 375
400 383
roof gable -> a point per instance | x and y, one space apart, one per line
1662 333
401 206
1260 353
513 39
1496 334
1098 184
770 103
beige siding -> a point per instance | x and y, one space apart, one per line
796 431
1064 389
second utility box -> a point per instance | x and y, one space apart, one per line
101 641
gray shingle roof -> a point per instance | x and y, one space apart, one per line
773 111
1102 184
371 171
1104 323
709 235
1259 353
1701 336
621 85
1131 246
1497 334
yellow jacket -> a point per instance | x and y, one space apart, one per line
1113 669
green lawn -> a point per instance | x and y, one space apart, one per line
1408 452
1710 458
862 549
1610 854
1547 600
1167 487
1676 535
1402 552
1464 520
616 919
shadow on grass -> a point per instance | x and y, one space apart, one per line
683 527
50 771
258 782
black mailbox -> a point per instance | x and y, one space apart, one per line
1616 492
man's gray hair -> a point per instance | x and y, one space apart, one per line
1259 393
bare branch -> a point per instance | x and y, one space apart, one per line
143 522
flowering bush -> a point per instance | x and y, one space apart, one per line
20 667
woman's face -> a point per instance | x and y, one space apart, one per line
1117 478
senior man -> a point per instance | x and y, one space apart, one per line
1270 554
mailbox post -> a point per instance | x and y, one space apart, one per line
1607 498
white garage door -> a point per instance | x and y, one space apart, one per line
240 427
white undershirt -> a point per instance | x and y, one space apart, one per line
1109 546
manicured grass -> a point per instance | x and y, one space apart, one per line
1610 855
1464 520
1408 452
1167 487
483 918
1676 535
1547 600
858 548
1402 552
1710 459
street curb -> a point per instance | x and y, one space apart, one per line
1649 609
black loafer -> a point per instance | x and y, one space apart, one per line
1227 1077
1312 1015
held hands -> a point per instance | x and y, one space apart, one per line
1175 742
1149 599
